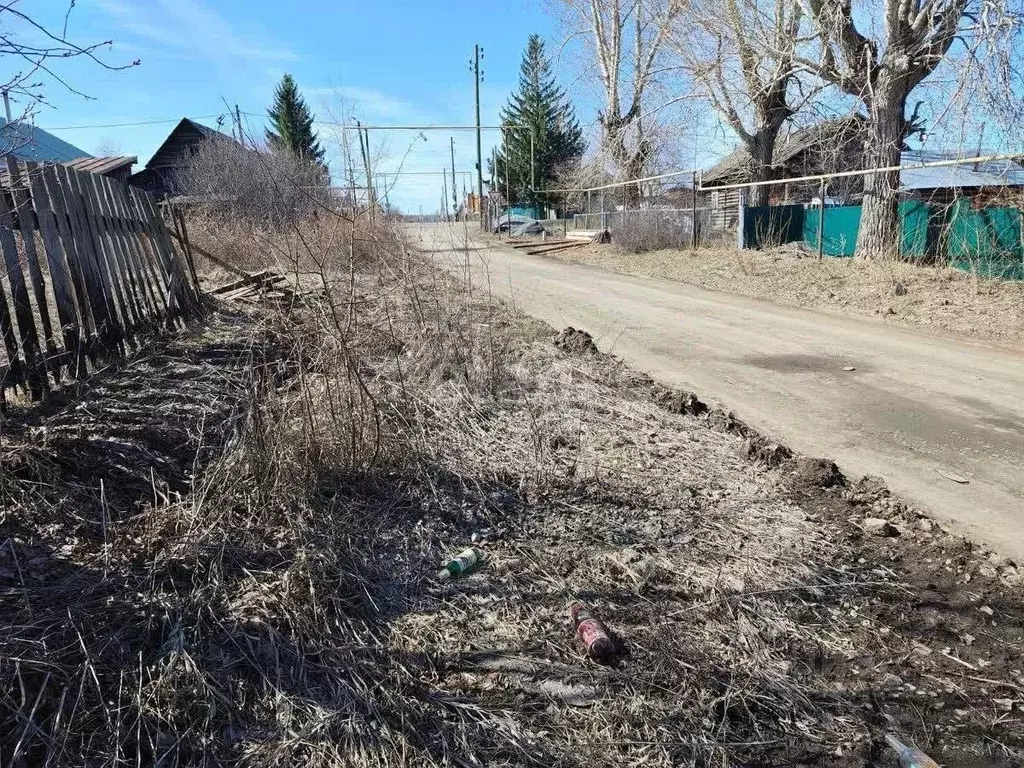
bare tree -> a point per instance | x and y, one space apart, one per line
627 38
882 70
741 54
35 50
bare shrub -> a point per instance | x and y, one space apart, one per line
651 230
255 187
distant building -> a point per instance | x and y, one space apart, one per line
161 174
29 142
832 146
826 147
985 182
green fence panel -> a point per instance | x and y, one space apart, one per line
841 224
918 232
767 225
985 241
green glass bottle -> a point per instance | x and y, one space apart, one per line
460 565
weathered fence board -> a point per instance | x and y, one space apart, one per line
90 255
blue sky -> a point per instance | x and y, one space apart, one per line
390 62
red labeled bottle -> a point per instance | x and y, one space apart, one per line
592 632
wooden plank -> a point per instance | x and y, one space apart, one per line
131 314
172 264
81 275
179 218
60 273
134 238
100 286
187 300
140 248
12 373
207 255
143 300
23 204
555 249
256 277
22 309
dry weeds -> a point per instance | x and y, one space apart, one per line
264 595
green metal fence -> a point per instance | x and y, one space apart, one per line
985 241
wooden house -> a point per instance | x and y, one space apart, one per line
829 146
161 174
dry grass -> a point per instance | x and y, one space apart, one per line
264 595
940 299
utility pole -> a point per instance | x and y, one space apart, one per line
455 193
364 148
238 120
478 54
444 195
7 105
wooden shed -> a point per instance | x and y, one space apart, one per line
160 176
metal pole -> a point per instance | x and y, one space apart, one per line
444 195
693 213
455 194
533 166
625 206
821 219
479 146
508 184
7 105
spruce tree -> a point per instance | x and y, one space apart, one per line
291 123
543 108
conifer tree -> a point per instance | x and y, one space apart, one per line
543 108
291 123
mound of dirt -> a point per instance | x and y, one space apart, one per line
811 474
764 451
680 401
575 342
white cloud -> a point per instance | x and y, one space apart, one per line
366 104
190 28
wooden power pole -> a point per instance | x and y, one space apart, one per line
477 55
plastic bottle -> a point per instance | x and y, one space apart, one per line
592 632
910 756
464 563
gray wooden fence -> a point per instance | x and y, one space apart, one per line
88 269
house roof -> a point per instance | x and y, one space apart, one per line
182 131
788 148
992 173
30 142
101 165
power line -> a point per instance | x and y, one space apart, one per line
128 125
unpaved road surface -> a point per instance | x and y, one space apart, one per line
919 410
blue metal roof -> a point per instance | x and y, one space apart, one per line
995 173
29 142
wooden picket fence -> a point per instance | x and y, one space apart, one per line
88 270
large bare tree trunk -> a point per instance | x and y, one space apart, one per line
761 148
882 71
879 224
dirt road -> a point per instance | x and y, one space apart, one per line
921 411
